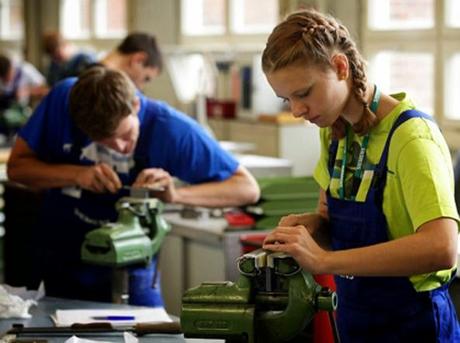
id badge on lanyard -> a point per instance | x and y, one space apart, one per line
358 174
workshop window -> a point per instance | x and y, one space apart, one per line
83 19
414 46
253 17
411 72
203 17
452 13
449 48
111 18
400 46
452 90
227 19
401 14
11 20
75 18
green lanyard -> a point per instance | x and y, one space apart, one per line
359 166
362 152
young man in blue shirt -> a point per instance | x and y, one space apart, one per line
87 139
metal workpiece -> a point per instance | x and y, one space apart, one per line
252 264
272 301
93 329
143 192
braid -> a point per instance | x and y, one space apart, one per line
310 37
359 79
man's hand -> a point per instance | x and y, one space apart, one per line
155 179
99 178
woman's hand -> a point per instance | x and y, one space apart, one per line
297 242
157 180
308 220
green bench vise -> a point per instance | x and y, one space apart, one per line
272 301
133 239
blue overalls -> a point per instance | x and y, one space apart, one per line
383 309
8 97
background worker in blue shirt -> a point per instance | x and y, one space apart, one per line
87 139
138 55
65 59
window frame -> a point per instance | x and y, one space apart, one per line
110 35
93 31
8 35
406 46
82 35
228 38
442 41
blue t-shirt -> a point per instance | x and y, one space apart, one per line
168 139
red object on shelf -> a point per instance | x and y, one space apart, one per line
220 108
239 220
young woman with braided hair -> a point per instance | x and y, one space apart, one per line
386 224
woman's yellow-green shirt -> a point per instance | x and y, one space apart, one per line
420 182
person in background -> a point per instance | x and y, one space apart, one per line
139 56
85 141
20 82
66 59
387 223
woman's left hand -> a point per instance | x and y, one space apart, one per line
297 242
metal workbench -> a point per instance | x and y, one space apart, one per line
47 306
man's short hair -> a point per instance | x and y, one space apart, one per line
142 42
100 99
5 65
52 41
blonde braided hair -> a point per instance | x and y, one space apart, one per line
312 38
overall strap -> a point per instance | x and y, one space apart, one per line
8 97
16 80
380 170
